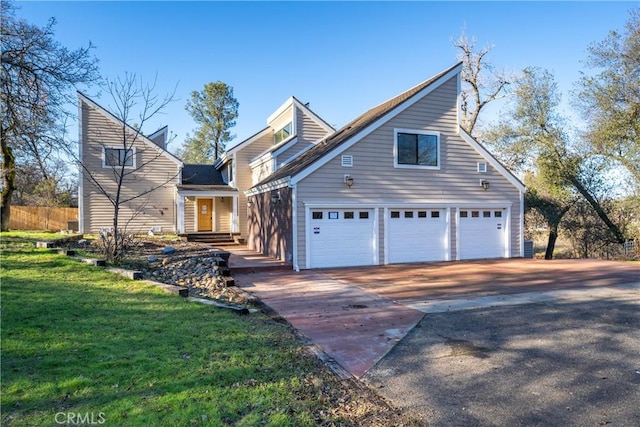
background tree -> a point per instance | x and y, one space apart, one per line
214 109
482 83
37 75
610 99
532 136
132 101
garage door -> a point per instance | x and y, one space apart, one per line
416 235
482 233
341 237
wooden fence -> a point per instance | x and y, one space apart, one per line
42 218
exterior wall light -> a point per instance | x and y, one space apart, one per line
484 184
348 179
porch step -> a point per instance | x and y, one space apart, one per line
214 238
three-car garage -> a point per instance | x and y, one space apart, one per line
341 237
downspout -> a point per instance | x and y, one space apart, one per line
80 172
294 226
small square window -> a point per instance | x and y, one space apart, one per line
482 167
408 214
348 215
317 215
497 214
422 214
475 214
364 215
486 214
395 214
435 214
463 214
333 215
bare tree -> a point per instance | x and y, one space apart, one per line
36 78
482 83
133 102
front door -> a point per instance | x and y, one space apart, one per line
205 206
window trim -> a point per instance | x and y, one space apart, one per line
397 165
291 132
104 157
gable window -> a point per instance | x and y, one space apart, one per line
119 157
283 133
417 149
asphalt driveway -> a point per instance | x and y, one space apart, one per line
559 363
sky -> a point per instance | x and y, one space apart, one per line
343 58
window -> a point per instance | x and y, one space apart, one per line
283 133
463 214
364 215
348 215
408 214
497 214
347 161
395 214
119 157
417 149
482 167
333 215
230 172
486 214
316 215
475 214
422 214
435 214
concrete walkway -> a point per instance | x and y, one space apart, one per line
354 327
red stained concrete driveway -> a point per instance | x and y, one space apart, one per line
358 314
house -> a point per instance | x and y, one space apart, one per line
403 182
176 197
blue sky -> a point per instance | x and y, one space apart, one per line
341 57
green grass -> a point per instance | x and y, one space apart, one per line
78 340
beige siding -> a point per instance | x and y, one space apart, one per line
190 215
154 172
308 130
223 211
293 151
377 182
262 169
244 176
281 120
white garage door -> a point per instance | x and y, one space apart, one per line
341 237
482 233
416 235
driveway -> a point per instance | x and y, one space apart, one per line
358 314
560 363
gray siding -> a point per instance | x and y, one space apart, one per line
291 152
154 170
378 182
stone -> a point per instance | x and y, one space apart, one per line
152 258
168 250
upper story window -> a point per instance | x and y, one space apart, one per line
283 133
119 157
417 149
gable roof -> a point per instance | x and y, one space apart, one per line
108 114
359 127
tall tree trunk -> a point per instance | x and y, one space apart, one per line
599 211
8 183
551 243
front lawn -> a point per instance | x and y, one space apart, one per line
82 343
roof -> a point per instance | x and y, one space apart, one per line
349 130
196 175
